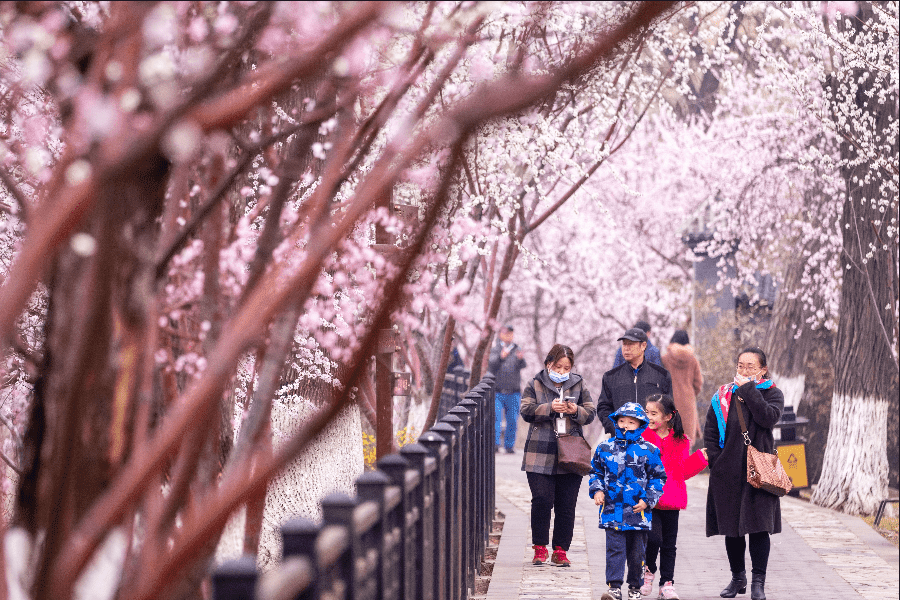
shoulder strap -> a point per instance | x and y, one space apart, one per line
740 412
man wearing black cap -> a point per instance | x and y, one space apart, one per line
633 380
506 363
652 353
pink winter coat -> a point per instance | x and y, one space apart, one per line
679 468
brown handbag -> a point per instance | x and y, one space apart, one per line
764 470
573 454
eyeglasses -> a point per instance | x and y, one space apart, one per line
748 367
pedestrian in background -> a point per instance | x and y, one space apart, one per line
687 381
734 508
652 353
666 432
555 402
506 363
627 480
633 380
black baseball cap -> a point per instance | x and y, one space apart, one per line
634 335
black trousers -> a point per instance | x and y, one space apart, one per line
550 493
759 552
661 542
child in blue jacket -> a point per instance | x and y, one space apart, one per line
627 481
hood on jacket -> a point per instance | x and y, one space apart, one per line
680 355
630 409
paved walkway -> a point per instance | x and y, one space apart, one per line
820 554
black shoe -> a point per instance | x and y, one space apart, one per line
510 451
758 587
737 585
497 449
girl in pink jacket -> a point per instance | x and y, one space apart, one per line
667 433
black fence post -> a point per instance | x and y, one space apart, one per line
473 402
490 419
235 579
298 538
423 500
360 520
488 459
456 517
372 486
467 498
451 550
439 448
397 469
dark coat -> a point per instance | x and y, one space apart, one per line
734 507
540 447
507 370
620 386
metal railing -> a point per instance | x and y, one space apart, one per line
417 529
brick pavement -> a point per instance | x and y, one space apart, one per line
820 554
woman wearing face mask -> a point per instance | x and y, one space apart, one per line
734 508
555 401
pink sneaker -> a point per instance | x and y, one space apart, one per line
667 592
647 586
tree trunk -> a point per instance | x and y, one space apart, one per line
855 471
100 291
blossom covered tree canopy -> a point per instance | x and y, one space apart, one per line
210 213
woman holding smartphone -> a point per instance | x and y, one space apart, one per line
554 402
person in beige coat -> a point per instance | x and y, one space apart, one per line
687 381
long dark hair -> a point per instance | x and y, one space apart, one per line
667 404
557 353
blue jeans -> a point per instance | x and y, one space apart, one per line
625 547
507 404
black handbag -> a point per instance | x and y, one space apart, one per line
573 454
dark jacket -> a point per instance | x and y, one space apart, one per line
540 447
651 353
620 385
508 370
733 506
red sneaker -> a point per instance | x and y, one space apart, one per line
540 555
559 558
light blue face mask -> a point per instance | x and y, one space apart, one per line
556 377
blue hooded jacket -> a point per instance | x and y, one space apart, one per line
626 470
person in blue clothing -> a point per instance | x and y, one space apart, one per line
506 363
652 353
627 480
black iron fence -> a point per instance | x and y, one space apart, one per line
417 529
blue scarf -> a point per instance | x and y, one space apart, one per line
727 390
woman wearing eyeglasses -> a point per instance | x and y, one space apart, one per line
734 508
